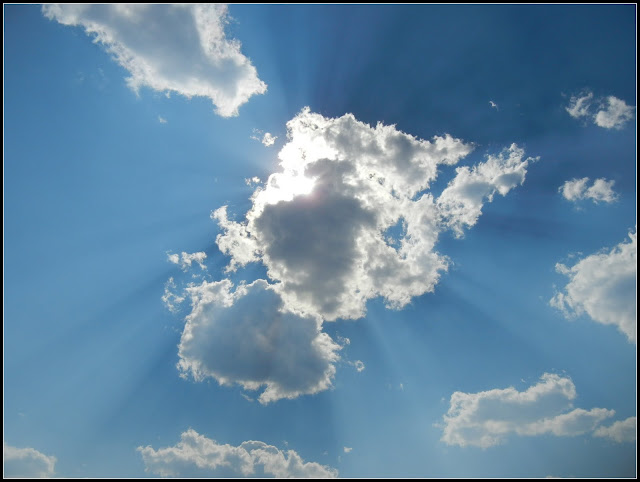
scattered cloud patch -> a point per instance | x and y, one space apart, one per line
485 419
27 463
162 120
186 259
267 139
347 449
359 366
170 48
621 431
600 191
320 224
170 299
198 456
609 112
255 180
603 285
246 337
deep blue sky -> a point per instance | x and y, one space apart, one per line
97 191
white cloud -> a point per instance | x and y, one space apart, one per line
610 112
616 114
603 285
252 181
486 418
268 139
600 190
179 48
621 431
162 120
246 337
186 259
347 449
27 463
493 104
359 365
461 202
579 105
198 456
170 299
322 224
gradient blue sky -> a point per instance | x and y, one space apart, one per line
98 191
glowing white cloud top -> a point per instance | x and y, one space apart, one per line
170 48
609 112
603 285
198 456
485 419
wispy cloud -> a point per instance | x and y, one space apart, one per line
620 431
170 48
603 285
198 456
186 259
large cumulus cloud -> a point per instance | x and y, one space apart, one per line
349 217
170 48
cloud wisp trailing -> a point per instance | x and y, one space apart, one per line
603 286
170 48
198 456
600 190
608 112
620 431
27 463
485 419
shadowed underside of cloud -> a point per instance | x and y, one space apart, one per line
325 225
27 463
245 337
198 456
485 419
603 285
179 48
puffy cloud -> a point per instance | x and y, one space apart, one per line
246 337
616 114
600 190
347 449
27 462
198 456
603 285
610 112
348 218
620 431
268 139
186 259
485 419
359 366
179 48
461 202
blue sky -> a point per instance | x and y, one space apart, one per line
430 272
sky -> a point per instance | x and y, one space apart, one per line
319 241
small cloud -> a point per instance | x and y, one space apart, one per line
493 104
170 299
578 189
186 259
198 456
268 139
609 112
162 120
27 463
347 449
620 431
359 365
252 181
